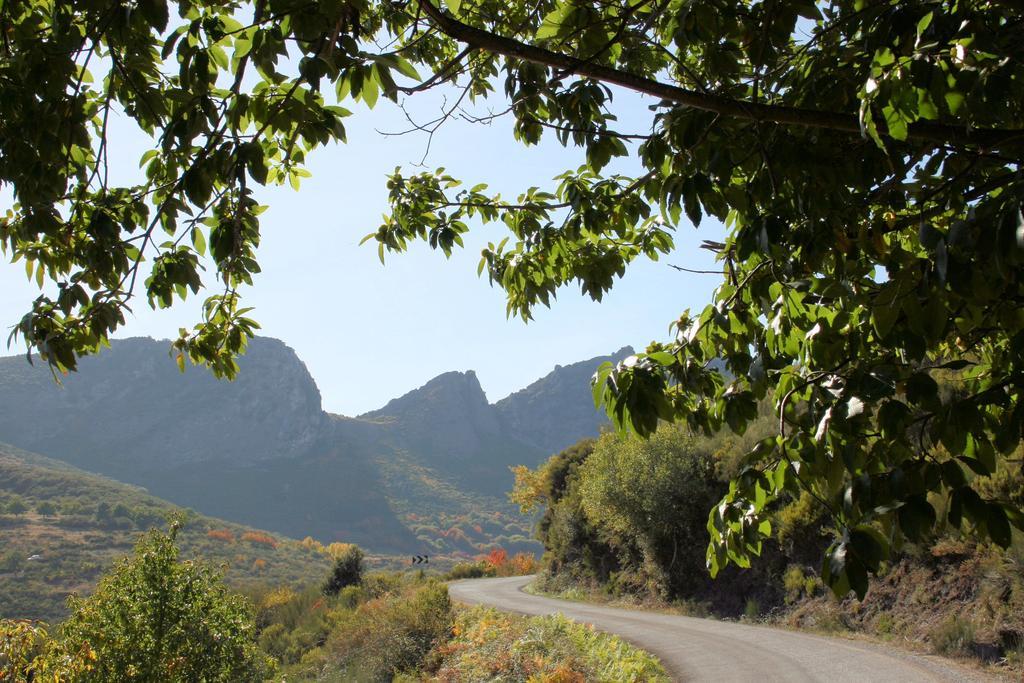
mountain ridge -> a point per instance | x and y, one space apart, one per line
262 450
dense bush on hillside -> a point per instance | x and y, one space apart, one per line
347 571
405 628
628 517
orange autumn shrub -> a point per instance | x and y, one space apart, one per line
499 563
260 538
337 550
224 535
497 558
523 563
310 543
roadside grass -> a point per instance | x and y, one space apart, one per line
404 627
554 587
489 645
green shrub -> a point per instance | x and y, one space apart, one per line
380 584
351 596
389 635
793 582
11 561
886 624
954 636
650 498
798 523
490 645
347 571
22 644
154 618
276 641
469 570
46 508
798 585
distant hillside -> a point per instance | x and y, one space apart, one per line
60 528
428 472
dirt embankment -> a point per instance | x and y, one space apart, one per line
958 599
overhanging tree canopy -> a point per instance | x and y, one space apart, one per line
864 156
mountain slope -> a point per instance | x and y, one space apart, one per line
259 450
429 471
61 528
557 410
132 394
448 426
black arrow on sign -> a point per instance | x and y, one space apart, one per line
420 559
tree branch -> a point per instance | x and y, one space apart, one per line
926 131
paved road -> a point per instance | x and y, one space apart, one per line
706 650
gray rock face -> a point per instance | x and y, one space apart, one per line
557 410
449 416
130 407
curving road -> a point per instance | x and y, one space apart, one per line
695 649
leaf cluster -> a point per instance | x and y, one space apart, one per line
864 157
871 265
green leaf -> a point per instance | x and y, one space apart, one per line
1014 515
199 241
599 382
406 69
871 548
924 22
999 526
926 108
956 509
916 517
370 91
895 123
662 358
554 21
954 100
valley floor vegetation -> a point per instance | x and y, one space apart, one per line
158 617
626 520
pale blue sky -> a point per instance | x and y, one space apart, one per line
369 332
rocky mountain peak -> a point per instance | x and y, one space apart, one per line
447 391
449 417
262 451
